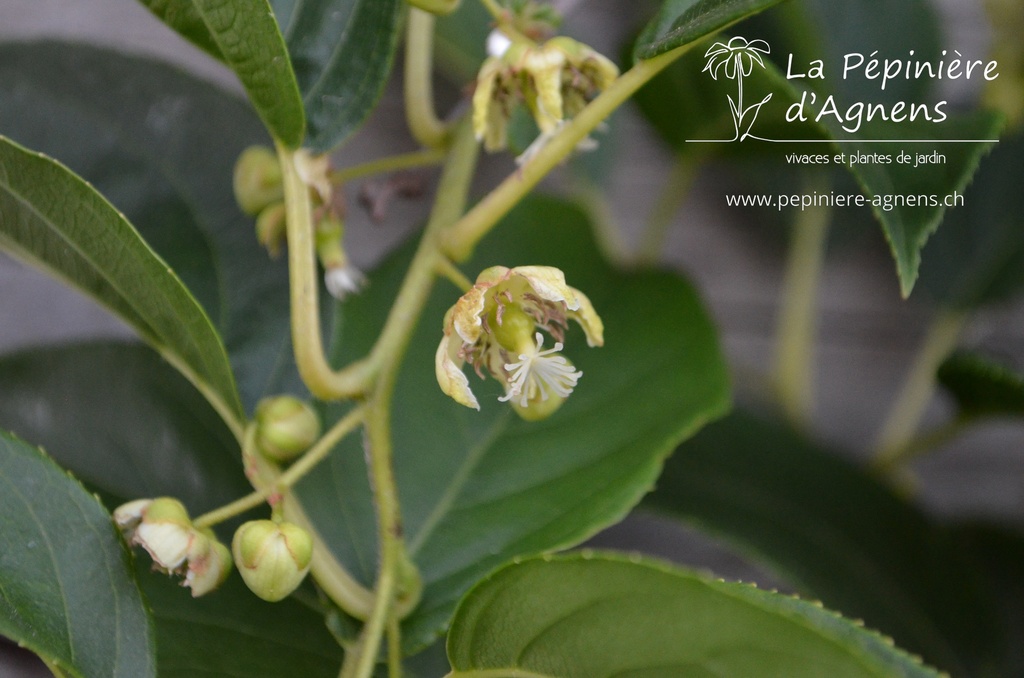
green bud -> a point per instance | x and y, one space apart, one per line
273 558
285 427
270 228
258 181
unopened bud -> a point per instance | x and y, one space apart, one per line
285 427
257 180
209 563
273 558
270 228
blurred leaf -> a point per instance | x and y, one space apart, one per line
244 34
161 145
478 488
683 103
460 41
342 51
977 257
1000 551
231 632
837 534
680 22
68 591
826 30
981 386
605 615
52 218
908 227
123 421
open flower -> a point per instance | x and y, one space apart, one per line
554 80
496 327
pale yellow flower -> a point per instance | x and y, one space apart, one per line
496 328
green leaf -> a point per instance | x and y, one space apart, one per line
342 52
478 488
67 591
231 632
836 533
145 433
604 615
246 36
908 226
54 219
981 386
681 22
683 103
977 257
161 145
1000 551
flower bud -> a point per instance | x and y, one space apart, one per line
285 427
209 563
270 228
257 181
165 531
273 558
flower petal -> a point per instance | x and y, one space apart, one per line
450 376
588 319
548 283
483 96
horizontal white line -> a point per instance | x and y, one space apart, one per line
852 141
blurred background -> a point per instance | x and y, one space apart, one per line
867 334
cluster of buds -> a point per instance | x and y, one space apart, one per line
554 80
497 327
162 527
259 190
285 428
273 557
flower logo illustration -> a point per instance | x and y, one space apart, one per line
735 60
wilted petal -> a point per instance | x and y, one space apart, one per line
450 377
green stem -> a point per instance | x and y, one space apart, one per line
668 203
392 163
450 271
423 122
920 445
917 391
334 579
387 355
462 237
313 456
321 379
797 326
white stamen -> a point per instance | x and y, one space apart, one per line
540 373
